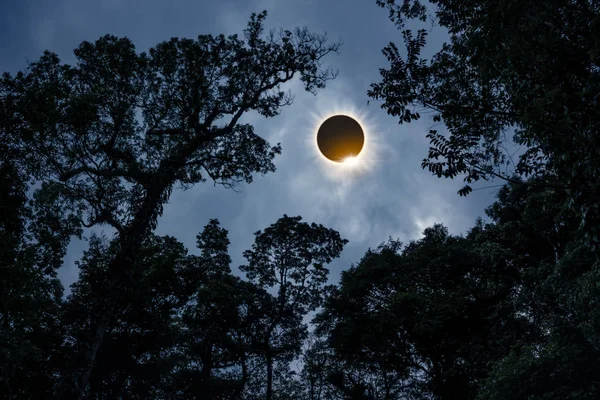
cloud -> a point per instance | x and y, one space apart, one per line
392 197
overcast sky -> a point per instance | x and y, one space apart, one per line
388 195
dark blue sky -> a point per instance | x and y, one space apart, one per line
388 195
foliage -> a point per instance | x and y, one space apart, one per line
30 294
290 256
419 320
526 70
110 137
505 312
190 329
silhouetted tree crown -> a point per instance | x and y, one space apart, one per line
527 71
111 136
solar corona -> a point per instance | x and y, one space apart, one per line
340 139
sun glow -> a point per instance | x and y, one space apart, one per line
364 161
351 161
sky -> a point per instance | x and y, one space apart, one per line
386 195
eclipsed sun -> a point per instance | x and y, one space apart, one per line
340 138
344 141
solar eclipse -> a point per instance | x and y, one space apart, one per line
343 141
340 138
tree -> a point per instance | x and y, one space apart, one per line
529 69
137 356
112 136
31 294
188 329
220 325
426 320
290 257
559 274
315 358
506 312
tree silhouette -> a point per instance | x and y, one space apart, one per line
290 256
530 70
112 135
509 310
505 312
30 293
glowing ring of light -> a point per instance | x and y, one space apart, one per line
365 160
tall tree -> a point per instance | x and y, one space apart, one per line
220 324
193 330
112 135
290 257
527 69
190 330
138 354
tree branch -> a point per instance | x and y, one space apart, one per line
138 177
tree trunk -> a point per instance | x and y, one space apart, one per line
132 237
82 381
269 375
242 384
207 363
121 270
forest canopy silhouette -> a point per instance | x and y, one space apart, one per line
508 310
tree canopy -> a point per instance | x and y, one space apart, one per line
526 71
